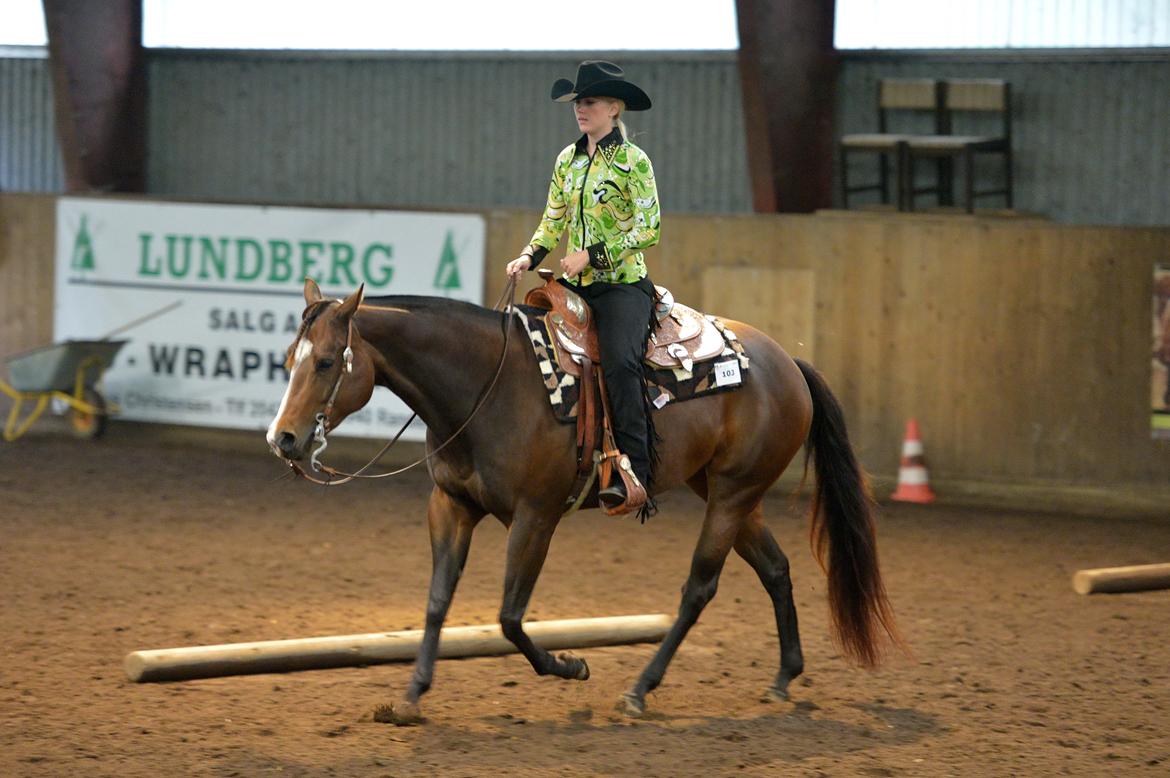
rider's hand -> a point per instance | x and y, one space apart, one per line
519 265
574 263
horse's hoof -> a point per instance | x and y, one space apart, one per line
630 705
578 668
778 691
404 714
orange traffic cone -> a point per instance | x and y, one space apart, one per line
913 482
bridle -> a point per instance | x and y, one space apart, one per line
322 418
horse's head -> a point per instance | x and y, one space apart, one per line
331 374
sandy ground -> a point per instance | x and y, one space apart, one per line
132 543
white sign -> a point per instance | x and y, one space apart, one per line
727 373
236 274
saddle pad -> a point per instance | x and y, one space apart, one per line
663 386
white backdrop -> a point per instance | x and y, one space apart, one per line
235 276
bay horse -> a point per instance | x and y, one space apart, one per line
515 461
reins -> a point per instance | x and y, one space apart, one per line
320 431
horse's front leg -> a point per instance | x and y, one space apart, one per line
451 522
528 541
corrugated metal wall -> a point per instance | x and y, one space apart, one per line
1091 134
29 157
425 129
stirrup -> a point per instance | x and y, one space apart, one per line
623 484
613 495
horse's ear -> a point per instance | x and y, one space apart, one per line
312 292
350 305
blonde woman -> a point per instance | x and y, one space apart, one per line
603 194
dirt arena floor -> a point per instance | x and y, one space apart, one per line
137 542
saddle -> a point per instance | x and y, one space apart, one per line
681 338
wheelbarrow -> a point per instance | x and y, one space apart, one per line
67 372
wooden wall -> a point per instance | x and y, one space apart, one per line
1022 347
27 229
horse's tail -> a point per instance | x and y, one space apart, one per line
841 529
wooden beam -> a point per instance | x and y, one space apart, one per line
788 73
99 92
280 656
1136 578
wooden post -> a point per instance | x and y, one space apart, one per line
279 656
99 91
788 74
1136 578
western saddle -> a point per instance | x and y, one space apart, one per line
682 337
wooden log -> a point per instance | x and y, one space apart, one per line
279 656
1136 578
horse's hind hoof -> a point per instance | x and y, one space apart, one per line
578 667
404 714
778 691
630 705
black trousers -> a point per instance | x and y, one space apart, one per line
622 313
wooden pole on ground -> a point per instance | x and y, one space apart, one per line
1136 578
279 656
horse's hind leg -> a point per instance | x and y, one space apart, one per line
715 541
451 524
528 541
759 549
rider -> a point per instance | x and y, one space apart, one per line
603 192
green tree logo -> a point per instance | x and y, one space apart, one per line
82 248
447 273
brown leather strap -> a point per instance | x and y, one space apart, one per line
609 452
586 419
586 439
582 411
611 459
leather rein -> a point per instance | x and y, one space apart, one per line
337 477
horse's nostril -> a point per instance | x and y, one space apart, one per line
287 443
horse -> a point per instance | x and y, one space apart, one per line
469 370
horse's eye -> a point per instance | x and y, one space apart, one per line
324 364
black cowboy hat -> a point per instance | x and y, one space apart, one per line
598 78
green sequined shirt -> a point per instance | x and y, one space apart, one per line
608 204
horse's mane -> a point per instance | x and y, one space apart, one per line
428 304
